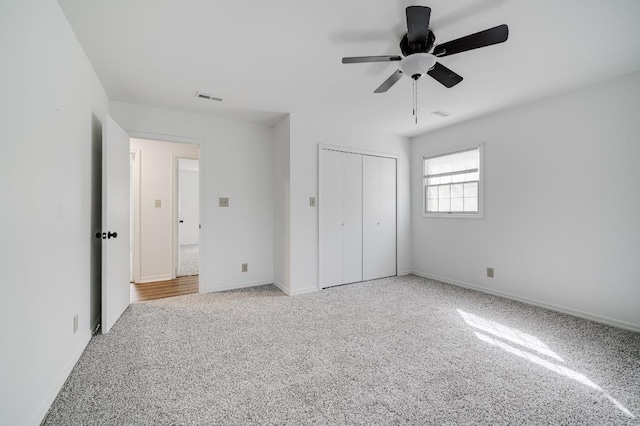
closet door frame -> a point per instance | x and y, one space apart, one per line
349 151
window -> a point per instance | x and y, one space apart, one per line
452 183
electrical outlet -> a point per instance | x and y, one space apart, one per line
75 323
223 202
312 201
158 203
490 272
245 267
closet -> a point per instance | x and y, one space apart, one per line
357 204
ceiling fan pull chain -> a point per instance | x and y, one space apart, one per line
413 97
415 100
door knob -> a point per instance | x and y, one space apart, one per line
105 235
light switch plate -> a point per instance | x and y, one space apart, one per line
490 272
312 201
223 202
158 203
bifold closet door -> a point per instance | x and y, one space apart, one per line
379 217
340 218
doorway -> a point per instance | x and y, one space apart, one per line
165 218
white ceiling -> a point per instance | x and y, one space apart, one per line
268 58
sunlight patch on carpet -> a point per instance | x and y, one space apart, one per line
530 342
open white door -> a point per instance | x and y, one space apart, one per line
115 223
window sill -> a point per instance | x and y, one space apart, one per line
453 215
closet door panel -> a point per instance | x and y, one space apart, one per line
370 216
330 205
351 218
379 217
388 221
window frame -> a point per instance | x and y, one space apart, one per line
447 151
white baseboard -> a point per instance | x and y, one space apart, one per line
550 306
233 286
294 292
281 287
402 274
51 395
154 278
303 291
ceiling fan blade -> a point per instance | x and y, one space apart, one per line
418 24
389 82
484 38
362 59
444 75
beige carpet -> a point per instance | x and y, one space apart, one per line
393 351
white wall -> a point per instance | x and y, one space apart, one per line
281 204
156 223
235 162
189 206
306 133
52 110
561 220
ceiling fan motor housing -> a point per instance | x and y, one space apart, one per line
408 49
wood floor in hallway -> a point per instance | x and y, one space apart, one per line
161 289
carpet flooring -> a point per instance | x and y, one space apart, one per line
189 258
400 350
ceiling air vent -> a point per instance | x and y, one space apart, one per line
207 96
441 113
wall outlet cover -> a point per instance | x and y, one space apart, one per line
245 267
490 272
223 202
312 201
158 203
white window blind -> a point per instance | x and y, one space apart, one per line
451 182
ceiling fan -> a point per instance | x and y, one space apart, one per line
418 42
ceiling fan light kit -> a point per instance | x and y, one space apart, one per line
416 45
417 65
